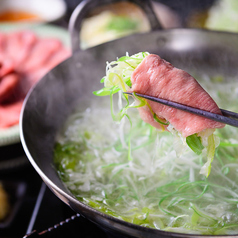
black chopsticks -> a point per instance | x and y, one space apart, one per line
227 117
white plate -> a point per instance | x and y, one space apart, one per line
11 135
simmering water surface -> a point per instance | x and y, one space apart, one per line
160 187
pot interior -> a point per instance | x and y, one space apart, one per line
71 84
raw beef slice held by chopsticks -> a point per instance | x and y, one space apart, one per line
156 77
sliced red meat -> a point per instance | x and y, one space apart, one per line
8 85
53 61
9 114
156 77
6 62
13 44
27 40
57 58
24 59
41 53
3 42
148 117
6 66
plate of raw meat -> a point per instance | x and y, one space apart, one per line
26 55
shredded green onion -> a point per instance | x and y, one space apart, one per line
132 171
118 78
156 188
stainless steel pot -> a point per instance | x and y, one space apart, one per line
71 83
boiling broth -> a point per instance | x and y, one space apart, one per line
160 187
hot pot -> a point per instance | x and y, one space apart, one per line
71 84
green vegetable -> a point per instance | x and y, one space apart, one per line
118 74
223 16
118 78
156 189
122 23
194 142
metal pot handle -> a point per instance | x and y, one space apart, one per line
85 6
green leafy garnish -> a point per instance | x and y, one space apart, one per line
194 142
122 23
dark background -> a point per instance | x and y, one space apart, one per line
184 8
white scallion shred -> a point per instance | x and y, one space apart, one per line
118 77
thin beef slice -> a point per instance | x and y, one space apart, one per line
156 77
